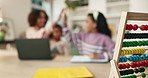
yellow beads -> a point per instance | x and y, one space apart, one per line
133 51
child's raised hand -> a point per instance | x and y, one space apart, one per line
61 13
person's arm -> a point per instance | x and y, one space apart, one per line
49 29
45 34
59 18
66 49
110 45
70 36
65 19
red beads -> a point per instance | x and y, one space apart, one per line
127 65
144 27
133 65
135 27
122 66
129 27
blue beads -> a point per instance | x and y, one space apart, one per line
143 57
123 59
146 57
130 58
134 58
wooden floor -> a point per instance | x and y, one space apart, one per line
12 67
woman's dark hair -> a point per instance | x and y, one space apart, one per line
102 25
33 16
56 26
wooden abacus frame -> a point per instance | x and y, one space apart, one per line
121 30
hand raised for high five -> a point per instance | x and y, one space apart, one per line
59 18
65 19
61 13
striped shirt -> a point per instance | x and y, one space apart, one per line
90 42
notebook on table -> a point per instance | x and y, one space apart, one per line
87 59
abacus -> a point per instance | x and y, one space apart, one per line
130 58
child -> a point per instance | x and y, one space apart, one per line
97 38
57 43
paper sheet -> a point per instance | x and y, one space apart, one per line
86 59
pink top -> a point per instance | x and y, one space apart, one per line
34 33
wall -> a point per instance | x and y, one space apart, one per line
57 7
139 5
17 10
99 5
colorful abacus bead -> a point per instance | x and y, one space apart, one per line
126 72
120 66
132 51
136 70
141 70
133 65
135 43
123 59
129 27
143 57
127 65
144 27
135 27
146 57
143 75
132 76
134 58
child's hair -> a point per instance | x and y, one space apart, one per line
33 16
56 26
102 25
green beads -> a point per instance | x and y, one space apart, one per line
131 76
143 75
135 43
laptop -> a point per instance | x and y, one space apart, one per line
33 49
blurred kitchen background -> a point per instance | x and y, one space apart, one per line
14 13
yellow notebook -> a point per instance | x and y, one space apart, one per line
71 72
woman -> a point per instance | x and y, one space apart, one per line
97 38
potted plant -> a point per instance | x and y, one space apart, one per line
3 30
73 4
